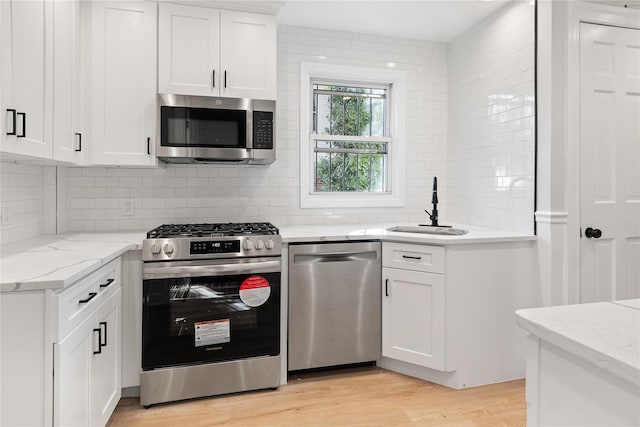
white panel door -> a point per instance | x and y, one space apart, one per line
28 22
610 162
72 376
123 75
67 130
188 50
106 374
413 317
7 110
248 55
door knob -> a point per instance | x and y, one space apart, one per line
592 232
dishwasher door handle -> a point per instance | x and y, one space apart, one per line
334 257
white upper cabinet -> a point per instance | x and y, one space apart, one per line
209 52
7 113
67 119
248 55
25 77
188 50
123 98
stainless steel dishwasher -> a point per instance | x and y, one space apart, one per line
334 304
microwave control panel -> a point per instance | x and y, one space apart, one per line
263 130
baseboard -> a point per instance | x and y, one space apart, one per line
131 391
449 379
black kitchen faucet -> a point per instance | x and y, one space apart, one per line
433 216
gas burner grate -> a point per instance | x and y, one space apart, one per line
212 230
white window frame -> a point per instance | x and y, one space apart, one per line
396 195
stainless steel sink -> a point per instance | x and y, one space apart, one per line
428 229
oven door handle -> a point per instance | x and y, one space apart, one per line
160 271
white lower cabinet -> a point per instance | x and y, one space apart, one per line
87 369
106 363
413 317
448 311
71 341
72 376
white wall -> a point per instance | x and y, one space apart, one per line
91 199
490 148
227 193
22 189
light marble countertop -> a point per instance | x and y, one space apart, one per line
308 233
606 334
56 261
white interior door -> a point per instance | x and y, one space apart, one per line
610 162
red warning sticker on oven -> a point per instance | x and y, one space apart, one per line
255 291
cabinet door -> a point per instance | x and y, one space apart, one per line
413 326
248 55
24 23
105 367
123 76
72 376
188 50
67 131
7 126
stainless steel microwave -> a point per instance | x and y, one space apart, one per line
202 129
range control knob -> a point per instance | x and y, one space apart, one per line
270 244
155 249
247 245
168 248
259 244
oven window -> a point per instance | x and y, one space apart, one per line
209 319
203 127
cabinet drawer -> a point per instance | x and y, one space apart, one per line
72 305
413 257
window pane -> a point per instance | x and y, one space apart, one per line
346 166
377 117
321 182
349 110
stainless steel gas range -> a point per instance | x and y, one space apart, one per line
211 310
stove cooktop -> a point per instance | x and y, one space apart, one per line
168 231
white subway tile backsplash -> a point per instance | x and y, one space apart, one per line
491 125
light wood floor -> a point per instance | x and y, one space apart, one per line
355 397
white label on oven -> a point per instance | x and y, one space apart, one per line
212 332
255 291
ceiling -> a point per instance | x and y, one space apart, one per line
419 19
435 20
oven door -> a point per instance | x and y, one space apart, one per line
210 311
